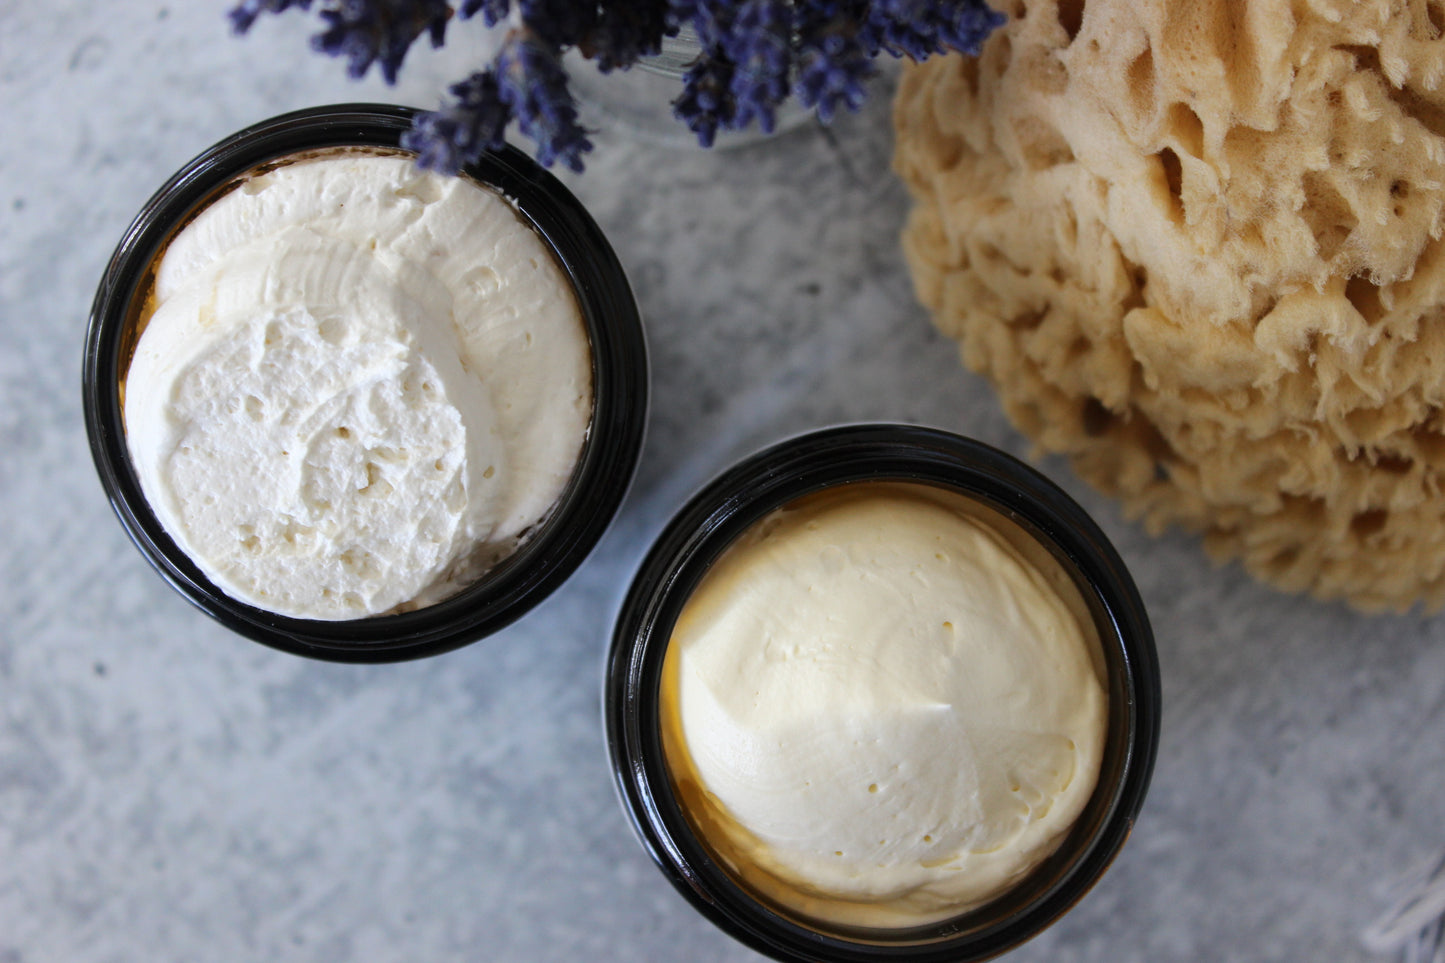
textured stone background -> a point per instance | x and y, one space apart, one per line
169 791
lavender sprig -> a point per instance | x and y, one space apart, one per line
754 55
920 28
493 11
380 32
709 19
742 74
759 43
532 82
244 14
448 139
706 103
529 85
833 63
558 24
626 32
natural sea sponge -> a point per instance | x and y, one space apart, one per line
1196 246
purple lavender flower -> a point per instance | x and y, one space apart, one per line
448 139
533 84
709 19
833 65
493 11
706 103
920 28
743 73
559 23
759 43
379 32
245 13
625 32
755 53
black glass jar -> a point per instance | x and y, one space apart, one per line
550 554
1043 524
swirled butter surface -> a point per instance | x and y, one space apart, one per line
877 712
358 385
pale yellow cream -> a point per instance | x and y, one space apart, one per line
877 712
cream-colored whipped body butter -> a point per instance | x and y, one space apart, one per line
882 692
877 712
357 386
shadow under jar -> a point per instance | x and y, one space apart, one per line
1042 527
546 553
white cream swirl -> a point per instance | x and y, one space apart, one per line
357 385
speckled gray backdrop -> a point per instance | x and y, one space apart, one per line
171 792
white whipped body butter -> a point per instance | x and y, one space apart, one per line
877 712
358 385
